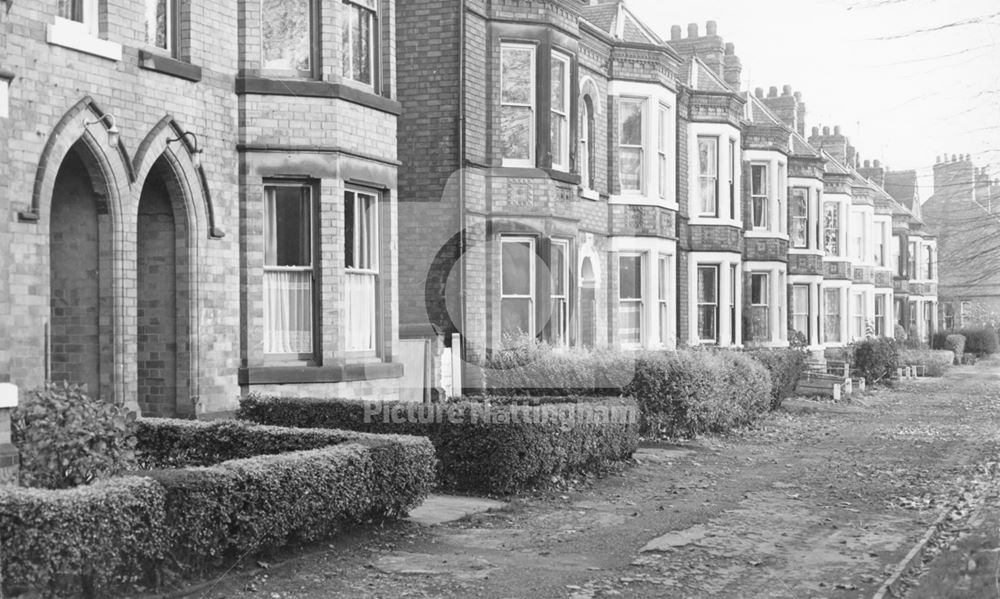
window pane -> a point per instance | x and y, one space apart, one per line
706 322
286 34
800 309
287 227
831 228
631 168
517 256
707 280
558 269
516 127
516 75
515 316
758 289
631 123
630 323
708 156
362 311
800 217
559 68
709 191
758 179
760 212
288 312
559 139
157 17
357 43
630 277
831 310
71 9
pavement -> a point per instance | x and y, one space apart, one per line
821 500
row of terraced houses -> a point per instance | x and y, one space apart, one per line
209 199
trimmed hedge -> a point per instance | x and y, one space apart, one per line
875 359
86 537
692 392
786 367
307 486
533 368
982 341
496 446
936 361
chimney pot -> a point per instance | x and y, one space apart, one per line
711 27
798 96
730 49
675 32
938 160
692 30
786 90
878 164
968 157
954 158
826 131
868 164
772 92
836 130
815 132
759 92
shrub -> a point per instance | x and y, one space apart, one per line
91 536
936 361
785 366
533 368
876 359
981 341
691 392
956 345
899 334
66 438
493 446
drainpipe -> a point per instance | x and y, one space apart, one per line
461 168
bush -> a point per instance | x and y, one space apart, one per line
692 392
936 361
875 359
91 536
981 342
494 446
66 438
785 366
956 345
533 368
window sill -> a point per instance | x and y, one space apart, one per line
302 375
590 194
316 89
638 199
73 35
152 61
765 234
708 220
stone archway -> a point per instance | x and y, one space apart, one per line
80 265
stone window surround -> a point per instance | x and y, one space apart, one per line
727 288
815 205
725 133
778 200
655 97
778 290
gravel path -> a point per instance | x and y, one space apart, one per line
821 500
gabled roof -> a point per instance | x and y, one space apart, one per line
616 19
833 166
801 147
760 114
902 185
702 78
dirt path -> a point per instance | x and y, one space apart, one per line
820 501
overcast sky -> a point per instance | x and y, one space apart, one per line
902 94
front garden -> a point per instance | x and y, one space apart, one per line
109 501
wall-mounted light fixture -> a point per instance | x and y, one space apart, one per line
195 150
114 134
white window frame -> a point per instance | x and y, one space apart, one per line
858 315
797 314
762 302
532 280
662 150
733 164
780 214
584 140
365 270
86 13
532 105
898 266
716 268
881 317
795 218
643 170
171 26
347 45
640 302
561 162
664 293
840 228
708 176
828 338
765 195
310 191
4 98
913 265
560 336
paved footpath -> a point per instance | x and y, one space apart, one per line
822 500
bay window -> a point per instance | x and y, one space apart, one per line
760 321
708 176
831 228
631 139
288 269
559 293
161 24
517 104
800 309
663 297
759 196
361 253
559 114
286 31
708 303
84 12
359 41
662 145
799 209
630 300
831 316
517 291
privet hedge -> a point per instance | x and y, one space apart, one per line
306 486
981 341
936 361
494 446
692 392
786 367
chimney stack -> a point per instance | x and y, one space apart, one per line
710 49
788 107
835 145
675 33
